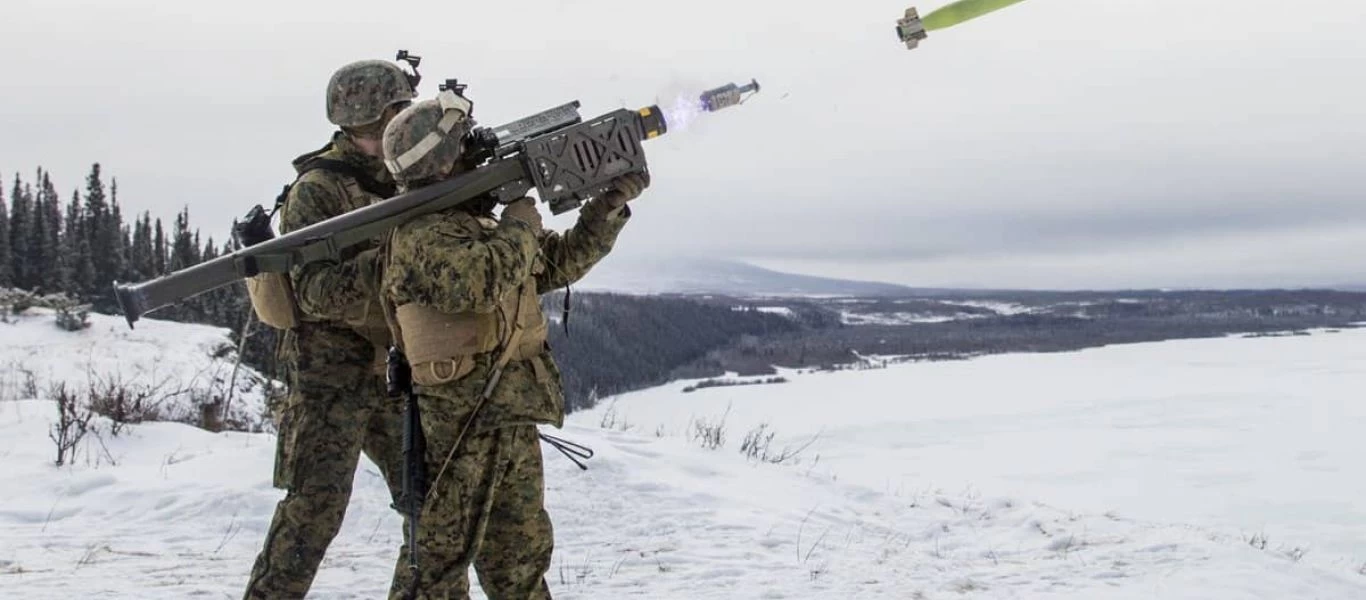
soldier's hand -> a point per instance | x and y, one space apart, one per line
524 210
626 189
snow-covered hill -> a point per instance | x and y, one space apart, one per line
181 512
182 365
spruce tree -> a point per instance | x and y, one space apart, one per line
20 222
41 257
6 269
80 275
102 231
159 249
53 267
184 246
118 235
140 253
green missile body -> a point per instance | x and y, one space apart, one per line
911 28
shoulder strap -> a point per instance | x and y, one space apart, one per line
341 167
386 306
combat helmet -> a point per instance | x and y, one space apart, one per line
423 142
359 93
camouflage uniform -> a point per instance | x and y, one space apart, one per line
338 407
487 508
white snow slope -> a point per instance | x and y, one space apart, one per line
175 360
182 512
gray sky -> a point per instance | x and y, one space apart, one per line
1057 143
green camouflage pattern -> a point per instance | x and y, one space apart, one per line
450 262
329 290
335 412
337 407
358 93
488 510
411 126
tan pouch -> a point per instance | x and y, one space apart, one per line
438 372
430 335
272 297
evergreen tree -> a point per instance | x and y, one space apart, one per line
20 222
159 249
103 232
184 246
118 233
43 259
80 268
54 268
140 259
6 269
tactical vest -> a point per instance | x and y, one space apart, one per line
272 294
441 346
367 320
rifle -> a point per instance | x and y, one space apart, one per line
400 382
566 159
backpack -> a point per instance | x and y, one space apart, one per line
272 294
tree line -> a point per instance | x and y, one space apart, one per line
79 246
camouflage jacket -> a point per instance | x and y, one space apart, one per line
449 262
331 293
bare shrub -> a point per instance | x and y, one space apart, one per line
613 420
609 417
18 383
125 404
73 422
756 442
710 434
758 446
30 389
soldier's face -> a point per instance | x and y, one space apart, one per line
370 138
369 145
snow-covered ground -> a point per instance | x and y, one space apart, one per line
934 480
1257 436
899 318
781 311
1000 308
184 363
851 317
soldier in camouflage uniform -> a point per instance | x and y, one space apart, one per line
462 289
338 405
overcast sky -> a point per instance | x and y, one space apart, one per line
1054 144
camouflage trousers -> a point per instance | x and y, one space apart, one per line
487 509
323 431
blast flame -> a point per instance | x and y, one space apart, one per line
681 113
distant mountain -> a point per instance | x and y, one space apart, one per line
723 277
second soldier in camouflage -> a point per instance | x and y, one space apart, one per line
462 291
